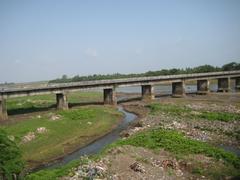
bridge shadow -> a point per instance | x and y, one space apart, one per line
71 105
29 110
129 99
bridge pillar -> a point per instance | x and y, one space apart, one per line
62 102
147 92
3 110
223 84
202 86
109 96
237 83
178 89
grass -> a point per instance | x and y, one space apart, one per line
176 143
223 163
75 128
56 172
175 110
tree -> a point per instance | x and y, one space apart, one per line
11 163
64 77
230 66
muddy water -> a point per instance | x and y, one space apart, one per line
97 145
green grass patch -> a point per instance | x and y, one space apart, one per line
168 108
221 116
56 172
179 145
73 129
175 110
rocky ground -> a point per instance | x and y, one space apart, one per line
128 162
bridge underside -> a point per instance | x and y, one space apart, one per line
223 84
62 102
203 86
178 89
109 96
147 92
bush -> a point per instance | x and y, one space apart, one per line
11 163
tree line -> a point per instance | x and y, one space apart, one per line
174 71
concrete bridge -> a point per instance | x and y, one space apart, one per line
108 86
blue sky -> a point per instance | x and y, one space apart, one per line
41 40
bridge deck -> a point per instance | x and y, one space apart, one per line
57 88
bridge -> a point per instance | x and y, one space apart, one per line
109 86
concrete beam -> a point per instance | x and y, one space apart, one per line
62 102
147 92
3 110
109 96
178 89
237 83
223 84
203 86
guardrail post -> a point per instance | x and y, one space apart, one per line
147 92
3 109
178 89
203 86
62 102
223 84
109 96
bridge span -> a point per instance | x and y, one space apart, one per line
108 86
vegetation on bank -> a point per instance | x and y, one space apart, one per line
182 148
11 163
174 71
56 172
178 144
64 131
175 110
224 163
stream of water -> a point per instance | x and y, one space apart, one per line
97 145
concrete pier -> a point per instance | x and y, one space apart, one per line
147 92
237 83
62 102
223 84
3 110
109 96
203 86
178 89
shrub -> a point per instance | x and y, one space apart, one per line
11 163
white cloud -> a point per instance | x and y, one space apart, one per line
91 52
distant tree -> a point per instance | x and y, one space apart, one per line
198 69
11 163
64 77
231 66
204 68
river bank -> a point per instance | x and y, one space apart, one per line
47 138
133 159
